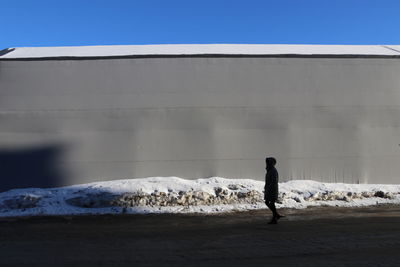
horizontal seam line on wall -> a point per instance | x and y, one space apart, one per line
233 159
206 107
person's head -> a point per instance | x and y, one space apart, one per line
270 162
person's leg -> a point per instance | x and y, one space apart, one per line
275 215
271 206
268 205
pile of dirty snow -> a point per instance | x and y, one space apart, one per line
176 195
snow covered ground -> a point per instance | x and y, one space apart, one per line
176 195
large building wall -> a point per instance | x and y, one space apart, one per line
75 121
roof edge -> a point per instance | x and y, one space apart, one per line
200 50
6 51
81 58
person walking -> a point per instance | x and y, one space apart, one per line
271 189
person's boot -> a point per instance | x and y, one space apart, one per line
273 221
280 216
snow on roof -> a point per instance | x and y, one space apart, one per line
198 49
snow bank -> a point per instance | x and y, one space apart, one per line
176 195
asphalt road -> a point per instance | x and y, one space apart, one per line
310 237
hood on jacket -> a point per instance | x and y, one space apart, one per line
270 162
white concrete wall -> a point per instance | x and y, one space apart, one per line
326 119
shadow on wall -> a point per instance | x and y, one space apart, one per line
31 167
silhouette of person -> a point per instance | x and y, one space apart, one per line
271 188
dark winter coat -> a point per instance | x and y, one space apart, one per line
271 184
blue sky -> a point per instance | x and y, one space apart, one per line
100 22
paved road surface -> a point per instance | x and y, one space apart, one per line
311 237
